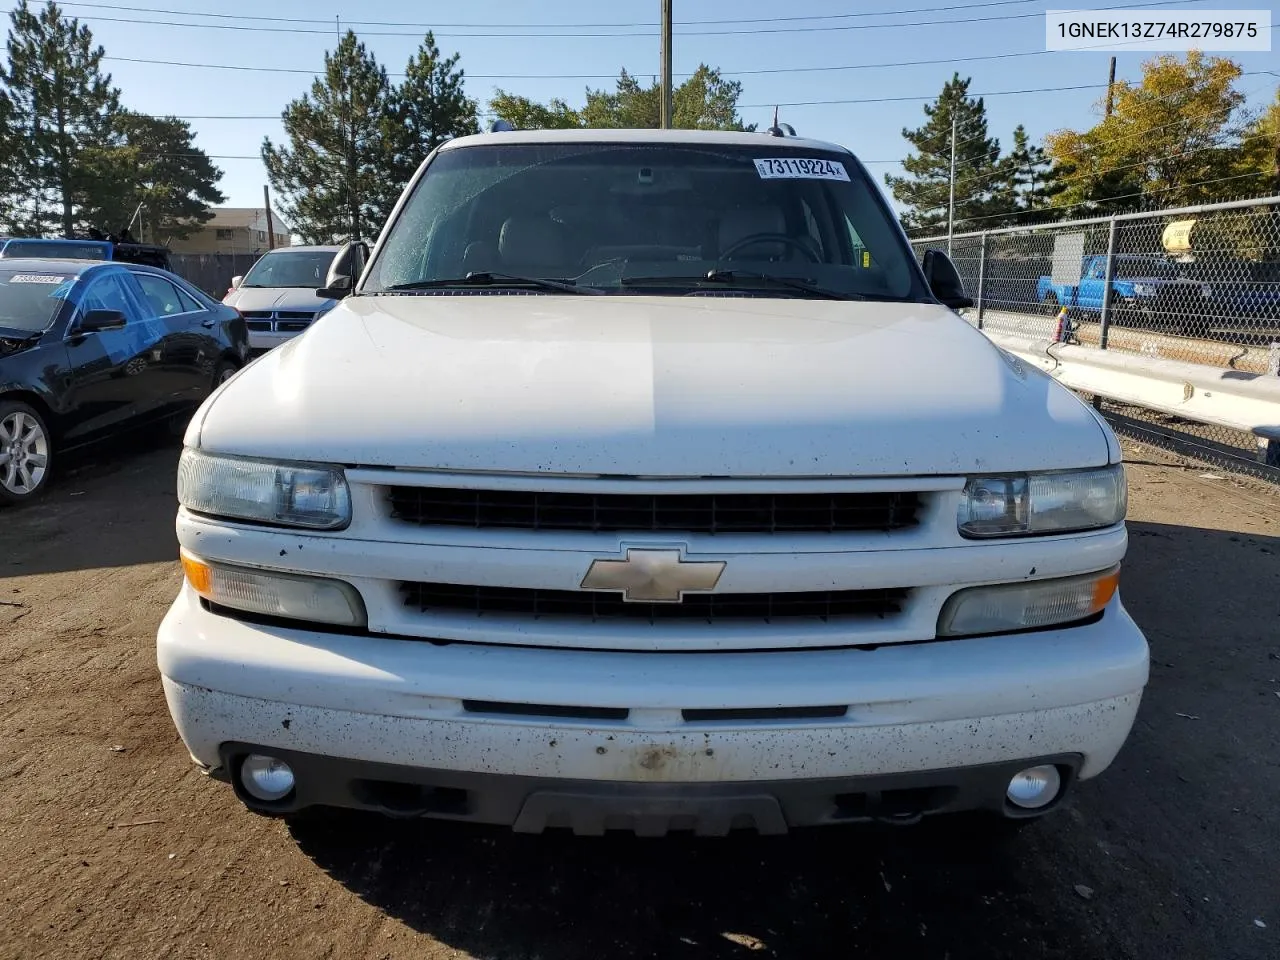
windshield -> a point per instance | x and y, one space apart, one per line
1140 268
54 250
29 299
628 218
305 268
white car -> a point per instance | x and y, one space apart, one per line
278 298
646 481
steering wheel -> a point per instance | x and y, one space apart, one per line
782 238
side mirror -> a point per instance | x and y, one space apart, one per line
235 282
96 321
944 280
348 263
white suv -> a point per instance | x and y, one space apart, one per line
646 481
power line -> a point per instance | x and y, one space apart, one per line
543 24
743 106
931 96
294 26
755 72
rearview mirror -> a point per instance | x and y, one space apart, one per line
235 282
96 321
944 280
348 263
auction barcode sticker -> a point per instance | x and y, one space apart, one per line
36 278
801 168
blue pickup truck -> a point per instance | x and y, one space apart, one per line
1147 291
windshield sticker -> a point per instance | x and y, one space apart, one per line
801 168
36 278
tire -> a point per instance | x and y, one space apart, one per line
223 372
26 452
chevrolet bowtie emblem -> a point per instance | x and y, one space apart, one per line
653 576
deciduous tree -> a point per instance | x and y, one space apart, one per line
704 101
1172 139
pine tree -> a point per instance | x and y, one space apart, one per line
60 105
430 107
335 175
924 191
1025 186
152 161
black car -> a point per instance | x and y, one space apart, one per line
88 349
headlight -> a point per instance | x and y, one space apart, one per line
290 495
1025 606
1142 289
1061 502
316 599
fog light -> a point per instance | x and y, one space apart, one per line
1034 787
266 778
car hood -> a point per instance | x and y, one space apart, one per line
275 298
650 386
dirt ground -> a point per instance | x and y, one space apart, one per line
111 845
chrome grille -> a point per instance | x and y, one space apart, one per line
278 321
677 513
596 605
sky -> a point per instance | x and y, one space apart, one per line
579 43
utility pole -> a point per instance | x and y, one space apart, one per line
271 226
1111 83
346 126
951 193
666 65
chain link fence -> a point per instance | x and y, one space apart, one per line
1195 284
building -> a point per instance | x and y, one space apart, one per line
235 230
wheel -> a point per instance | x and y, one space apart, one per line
25 452
223 372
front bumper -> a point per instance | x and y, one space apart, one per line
458 717
260 341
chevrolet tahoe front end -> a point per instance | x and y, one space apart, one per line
655 545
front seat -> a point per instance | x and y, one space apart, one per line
742 222
532 245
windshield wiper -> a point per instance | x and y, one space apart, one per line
486 278
734 278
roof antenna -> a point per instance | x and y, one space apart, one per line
780 130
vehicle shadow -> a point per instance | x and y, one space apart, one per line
926 891
110 506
